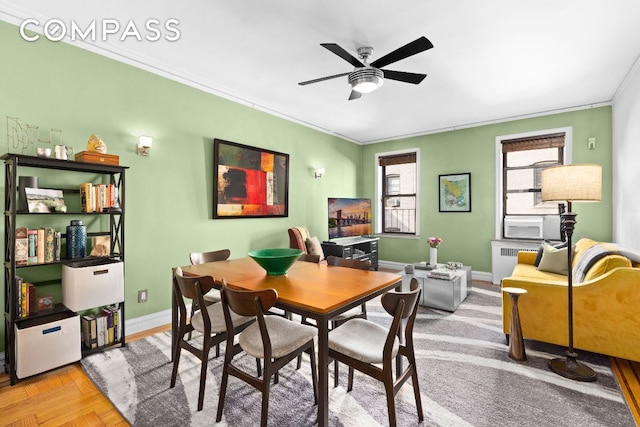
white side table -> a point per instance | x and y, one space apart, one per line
441 293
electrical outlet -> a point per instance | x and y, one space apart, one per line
591 143
142 295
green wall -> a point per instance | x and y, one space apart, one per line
467 236
169 194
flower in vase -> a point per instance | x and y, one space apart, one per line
434 242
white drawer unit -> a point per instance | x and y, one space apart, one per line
44 346
93 283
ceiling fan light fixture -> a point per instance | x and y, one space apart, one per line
366 80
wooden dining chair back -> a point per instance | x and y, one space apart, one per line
213 296
274 339
211 256
371 349
208 321
309 258
349 262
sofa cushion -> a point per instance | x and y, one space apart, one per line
314 247
605 265
541 250
529 272
554 260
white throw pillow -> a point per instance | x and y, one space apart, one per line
314 247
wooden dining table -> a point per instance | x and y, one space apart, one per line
317 291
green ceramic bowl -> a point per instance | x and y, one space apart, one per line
275 261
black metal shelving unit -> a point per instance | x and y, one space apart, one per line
13 162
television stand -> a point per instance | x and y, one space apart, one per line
361 248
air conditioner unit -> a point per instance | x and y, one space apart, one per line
523 227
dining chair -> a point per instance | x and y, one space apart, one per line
364 345
274 339
355 312
203 257
208 320
213 296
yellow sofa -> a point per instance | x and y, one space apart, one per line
606 305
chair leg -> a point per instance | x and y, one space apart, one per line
264 413
203 381
416 392
258 367
350 383
314 373
206 346
223 387
335 373
176 360
391 403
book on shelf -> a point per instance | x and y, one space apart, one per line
32 299
24 302
18 293
40 245
117 319
109 325
22 246
100 328
57 244
33 246
49 244
89 331
98 197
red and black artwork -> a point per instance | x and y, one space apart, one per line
249 182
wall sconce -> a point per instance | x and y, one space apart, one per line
319 172
144 145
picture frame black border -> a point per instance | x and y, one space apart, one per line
440 207
216 150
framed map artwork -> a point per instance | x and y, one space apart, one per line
455 192
249 182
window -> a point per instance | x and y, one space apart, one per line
397 185
522 159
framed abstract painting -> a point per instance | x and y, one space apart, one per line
249 182
455 192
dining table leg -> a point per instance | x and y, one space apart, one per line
323 372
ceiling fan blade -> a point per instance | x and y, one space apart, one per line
342 54
403 76
416 46
321 79
354 95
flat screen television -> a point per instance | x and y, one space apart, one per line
349 217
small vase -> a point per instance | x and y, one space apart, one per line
433 256
76 240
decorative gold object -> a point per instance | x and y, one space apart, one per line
95 144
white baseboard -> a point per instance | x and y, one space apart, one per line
475 275
149 321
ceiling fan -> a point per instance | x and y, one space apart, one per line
366 78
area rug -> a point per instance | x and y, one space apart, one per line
466 379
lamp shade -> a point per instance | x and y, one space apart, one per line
572 183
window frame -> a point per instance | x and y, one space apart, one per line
499 208
379 194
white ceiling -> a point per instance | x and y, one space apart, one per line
492 60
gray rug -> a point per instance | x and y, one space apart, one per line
466 379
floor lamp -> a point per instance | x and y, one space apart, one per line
571 183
